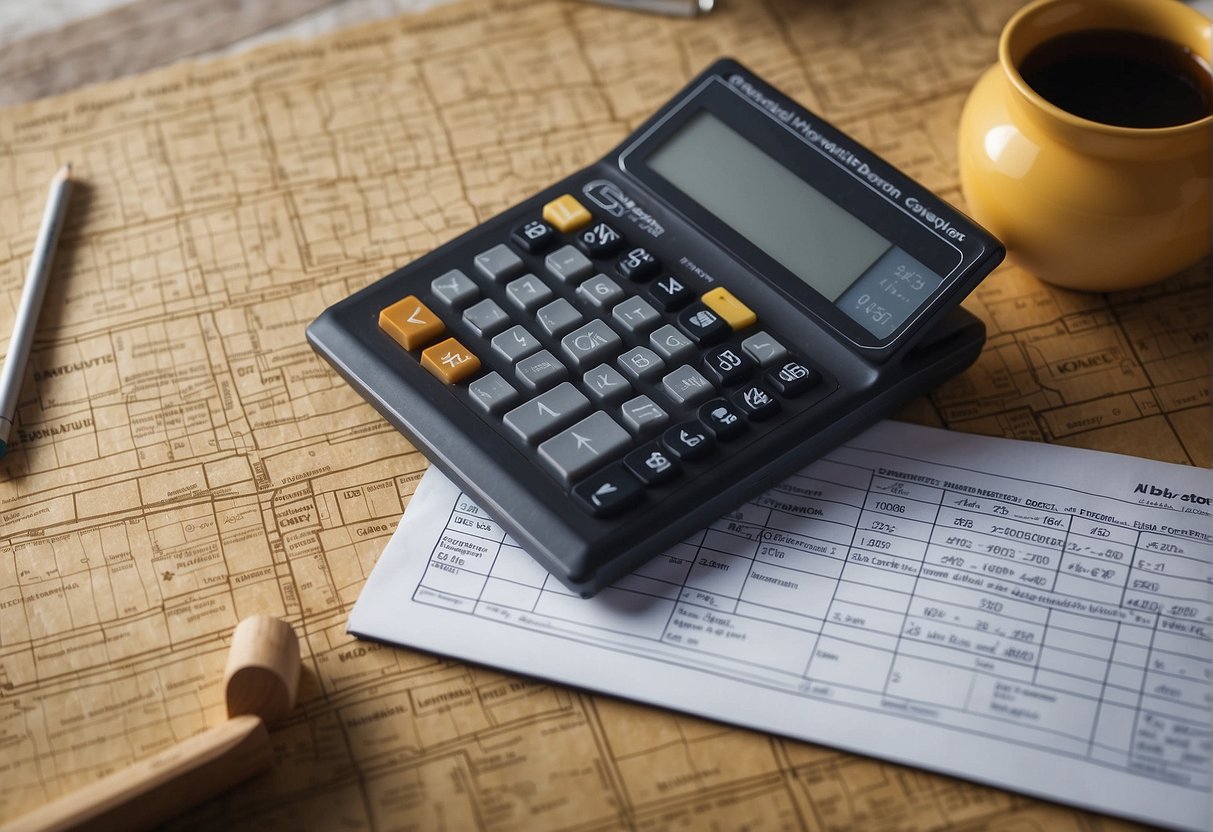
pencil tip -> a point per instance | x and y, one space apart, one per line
65 172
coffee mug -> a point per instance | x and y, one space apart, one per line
1086 148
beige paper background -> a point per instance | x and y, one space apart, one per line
182 459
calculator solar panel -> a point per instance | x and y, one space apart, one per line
615 362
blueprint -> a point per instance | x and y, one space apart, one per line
182 459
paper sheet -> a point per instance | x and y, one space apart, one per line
1019 614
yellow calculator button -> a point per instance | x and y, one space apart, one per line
566 214
410 323
735 313
450 361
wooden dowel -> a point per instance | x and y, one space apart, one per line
259 683
155 789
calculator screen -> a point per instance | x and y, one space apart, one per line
872 281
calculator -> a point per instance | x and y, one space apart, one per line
617 361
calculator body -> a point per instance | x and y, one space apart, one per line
764 353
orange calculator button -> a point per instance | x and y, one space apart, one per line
450 361
735 313
566 214
410 323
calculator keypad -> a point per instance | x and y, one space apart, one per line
614 374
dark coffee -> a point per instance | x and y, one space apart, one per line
1122 78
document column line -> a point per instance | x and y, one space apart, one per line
1145 670
943 493
1103 691
825 619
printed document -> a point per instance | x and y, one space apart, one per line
1031 616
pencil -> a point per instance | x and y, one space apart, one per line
31 301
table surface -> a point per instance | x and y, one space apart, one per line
71 44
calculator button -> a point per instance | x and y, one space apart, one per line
568 264
566 214
515 343
455 289
410 323
528 292
558 317
642 415
610 491
756 403
652 464
486 318
638 264
591 344
450 361
492 393
725 304
606 385
573 453
728 365
687 386
671 294
764 349
534 236
540 371
499 263
672 345
636 316
542 416
724 420
600 292
792 378
703 325
641 364
688 441
599 240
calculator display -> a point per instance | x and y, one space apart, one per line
872 281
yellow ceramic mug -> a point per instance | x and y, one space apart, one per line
1080 203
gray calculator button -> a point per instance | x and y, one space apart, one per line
568 264
499 263
686 385
485 317
529 292
764 349
455 289
544 415
672 345
591 344
540 371
606 384
492 393
641 363
558 317
642 413
635 315
515 343
600 291
587 445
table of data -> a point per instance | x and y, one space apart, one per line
1034 604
